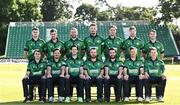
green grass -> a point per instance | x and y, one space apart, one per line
11 87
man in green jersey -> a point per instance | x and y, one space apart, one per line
52 44
112 42
132 41
113 75
155 74
153 43
133 74
74 40
93 75
76 75
35 75
55 75
33 44
94 41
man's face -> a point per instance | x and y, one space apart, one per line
153 53
53 35
112 32
57 54
112 54
93 30
37 55
73 33
35 34
93 53
74 50
133 52
132 33
152 35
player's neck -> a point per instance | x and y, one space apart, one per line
153 58
93 59
35 39
153 40
74 56
93 34
112 37
73 38
56 59
113 59
133 58
37 60
132 37
54 40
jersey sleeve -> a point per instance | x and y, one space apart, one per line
28 67
26 47
162 66
162 48
146 68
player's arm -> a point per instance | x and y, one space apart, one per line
146 70
101 73
106 71
125 73
120 72
48 72
141 75
81 75
86 74
27 74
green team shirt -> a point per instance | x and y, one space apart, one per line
94 42
93 68
80 45
31 45
115 43
56 66
113 66
133 67
136 42
158 45
154 68
74 66
37 69
50 46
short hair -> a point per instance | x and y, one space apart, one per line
153 30
112 49
93 24
132 28
35 28
153 49
133 48
56 49
36 50
112 26
92 49
74 46
53 30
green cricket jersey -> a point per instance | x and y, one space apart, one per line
158 45
50 46
154 67
133 67
31 45
113 66
93 68
79 43
56 66
37 69
115 43
136 42
74 66
94 42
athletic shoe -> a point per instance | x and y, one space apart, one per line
160 99
88 100
99 100
60 99
67 100
147 99
140 99
126 99
79 99
26 100
51 99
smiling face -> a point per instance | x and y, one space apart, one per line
57 54
93 53
112 31
53 35
152 35
37 55
35 34
112 54
73 33
93 30
153 53
133 53
132 33
74 50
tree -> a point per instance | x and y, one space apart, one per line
53 10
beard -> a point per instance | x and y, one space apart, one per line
93 57
112 57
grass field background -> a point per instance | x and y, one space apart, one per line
11 87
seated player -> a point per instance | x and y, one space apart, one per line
75 71
93 75
55 75
155 74
35 75
133 74
113 75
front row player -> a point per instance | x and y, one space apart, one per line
55 75
133 74
155 74
93 69
113 75
35 75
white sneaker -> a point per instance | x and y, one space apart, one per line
147 99
60 99
51 99
160 99
140 99
126 99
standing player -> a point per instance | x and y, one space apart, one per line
74 41
133 74
93 75
94 41
113 42
153 43
52 44
113 75
155 74
132 41
35 75
76 72
33 44
55 75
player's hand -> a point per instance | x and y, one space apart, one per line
49 76
106 77
43 77
141 77
163 77
126 77
87 77
82 76
61 76
100 76
146 75
26 77
67 76
119 76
